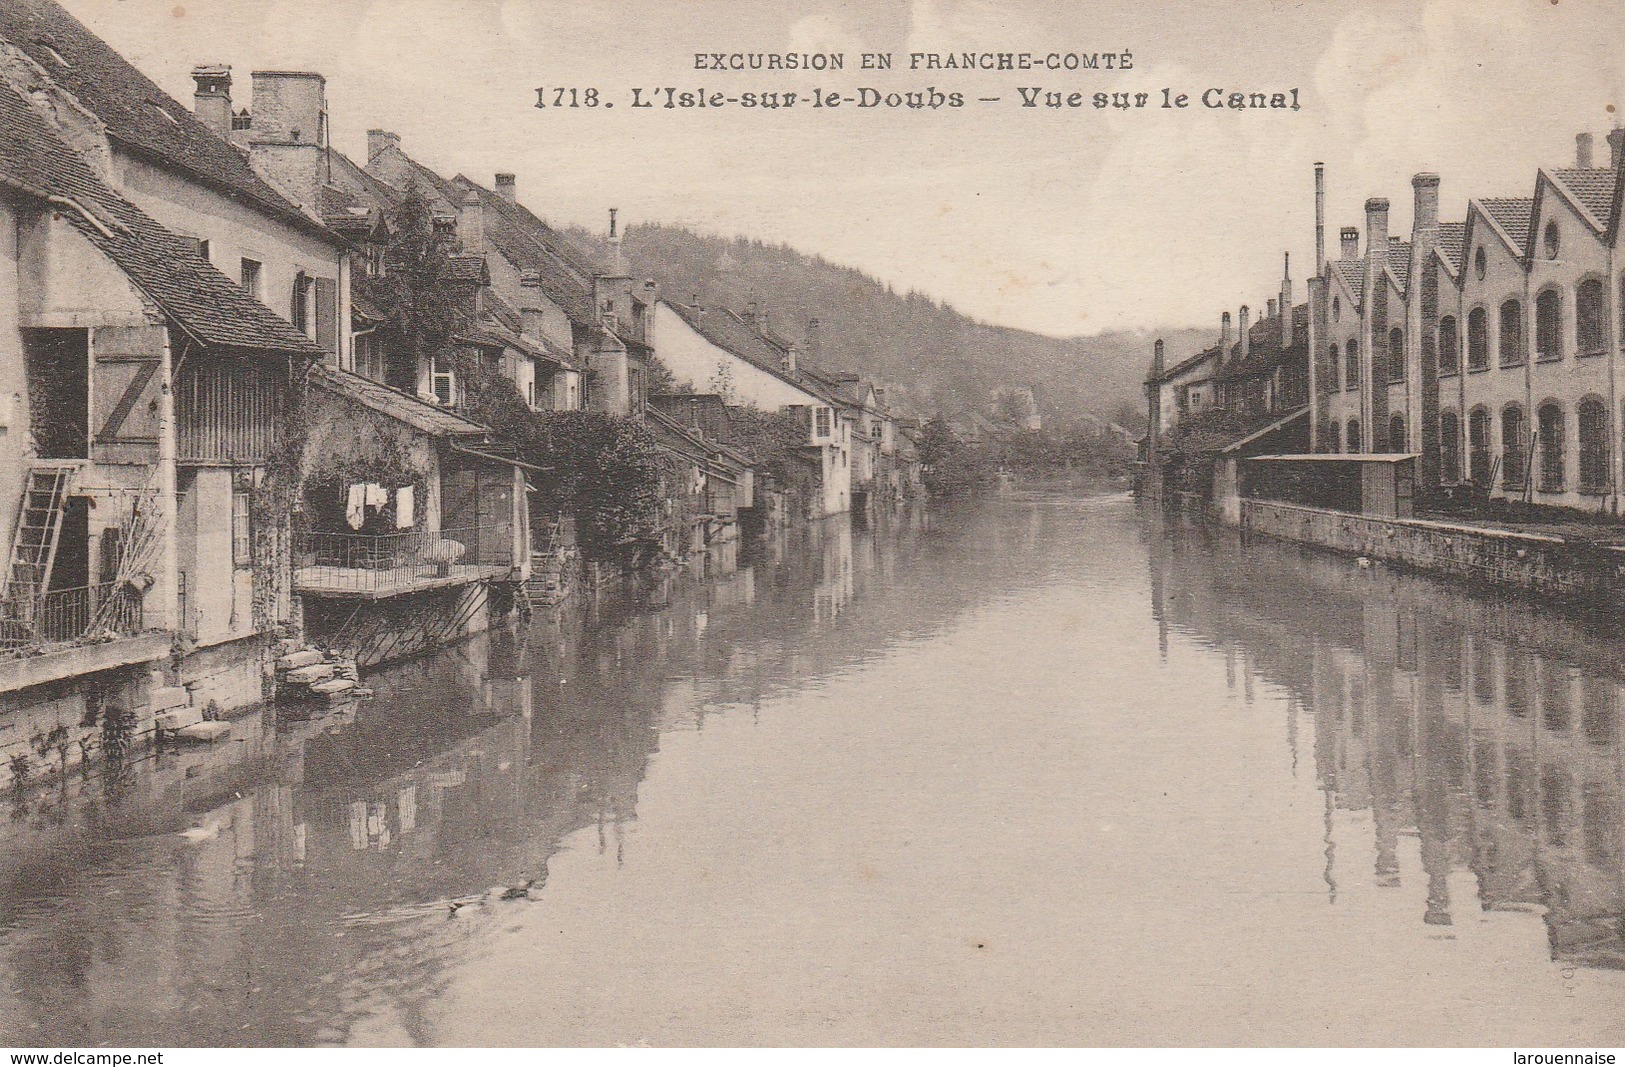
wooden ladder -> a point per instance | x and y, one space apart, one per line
39 527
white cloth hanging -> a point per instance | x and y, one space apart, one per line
355 506
403 508
377 496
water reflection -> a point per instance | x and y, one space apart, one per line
1482 728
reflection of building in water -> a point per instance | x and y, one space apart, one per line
1488 730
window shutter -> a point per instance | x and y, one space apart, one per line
327 318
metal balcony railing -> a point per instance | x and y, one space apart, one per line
373 564
64 616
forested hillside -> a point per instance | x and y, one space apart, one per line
933 357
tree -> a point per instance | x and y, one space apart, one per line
423 305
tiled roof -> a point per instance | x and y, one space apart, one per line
733 334
1399 261
1452 235
1513 214
1186 364
533 246
674 436
1352 271
1593 187
1264 352
427 418
165 267
138 115
361 187
467 267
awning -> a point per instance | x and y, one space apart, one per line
492 457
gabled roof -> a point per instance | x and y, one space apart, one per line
733 334
1399 262
1184 365
1512 216
1451 238
1592 188
502 312
1352 272
165 267
138 116
426 418
532 246
674 436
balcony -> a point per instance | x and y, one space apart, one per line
91 613
377 566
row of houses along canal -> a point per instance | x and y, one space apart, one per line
1046 768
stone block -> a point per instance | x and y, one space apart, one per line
205 731
179 719
302 658
167 696
316 672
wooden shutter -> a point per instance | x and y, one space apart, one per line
327 314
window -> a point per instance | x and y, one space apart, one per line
1592 419
1396 434
1478 339
1514 449
823 422
1478 445
1590 318
1479 263
1449 448
443 380
299 310
242 553
1511 334
251 277
1552 240
1351 364
1355 444
1396 355
1337 307
1337 370
1550 443
1449 346
1548 325
202 244
530 392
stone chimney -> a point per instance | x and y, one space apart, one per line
815 339
507 189
1320 217
1426 211
1616 147
1286 300
1349 243
212 100
792 359
471 223
1243 342
753 315
1582 151
617 259
380 140
1224 337
288 139
1376 228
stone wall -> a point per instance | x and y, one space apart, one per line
1530 562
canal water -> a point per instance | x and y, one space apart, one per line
1044 770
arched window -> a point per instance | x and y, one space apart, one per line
1514 449
1590 318
1478 445
1511 333
1337 369
1351 364
1548 325
1449 352
1592 420
1550 444
1396 355
1396 434
1478 339
1449 448
1354 442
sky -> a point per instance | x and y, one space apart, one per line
1063 222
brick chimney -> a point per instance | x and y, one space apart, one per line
506 187
1616 147
380 140
1376 228
617 259
1320 218
212 100
471 222
288 138
1286 300
1349 243
1243 342
815 339
1224 337
1582 151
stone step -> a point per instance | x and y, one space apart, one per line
333 687
316 672
302 658
205 731
164 697
288 645
179 719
